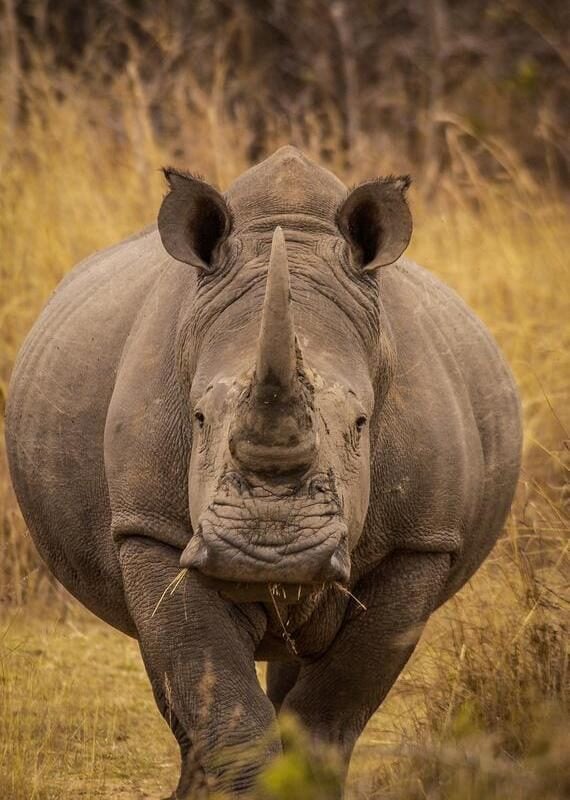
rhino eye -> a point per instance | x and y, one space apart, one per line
200 419
360 423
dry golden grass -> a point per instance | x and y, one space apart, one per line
77 716
479 714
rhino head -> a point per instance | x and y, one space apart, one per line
284 358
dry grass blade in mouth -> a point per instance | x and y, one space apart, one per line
346 591
274 588
173 586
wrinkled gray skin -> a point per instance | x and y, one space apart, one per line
173 407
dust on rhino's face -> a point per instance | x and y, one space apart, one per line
291 344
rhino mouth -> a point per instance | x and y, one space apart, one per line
281 542
282 593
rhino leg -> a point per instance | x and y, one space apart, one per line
335 695
192 782
281 677
199 654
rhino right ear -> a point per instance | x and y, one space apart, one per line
193 219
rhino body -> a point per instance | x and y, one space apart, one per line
251 391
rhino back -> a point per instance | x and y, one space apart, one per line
58 399
447 457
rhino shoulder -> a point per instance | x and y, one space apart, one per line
448 456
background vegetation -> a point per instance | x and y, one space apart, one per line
471 98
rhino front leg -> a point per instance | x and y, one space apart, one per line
198 651
335 696
281 677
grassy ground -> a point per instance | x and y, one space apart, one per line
78 718
480 713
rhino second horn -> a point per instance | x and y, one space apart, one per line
276 362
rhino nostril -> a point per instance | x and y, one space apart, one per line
233 480
318 485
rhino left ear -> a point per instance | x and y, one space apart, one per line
376 221
193 219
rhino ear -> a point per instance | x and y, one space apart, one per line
193 219
376 221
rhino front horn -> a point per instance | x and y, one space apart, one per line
273 433
276 361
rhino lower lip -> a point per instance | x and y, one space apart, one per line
220 558
289 593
